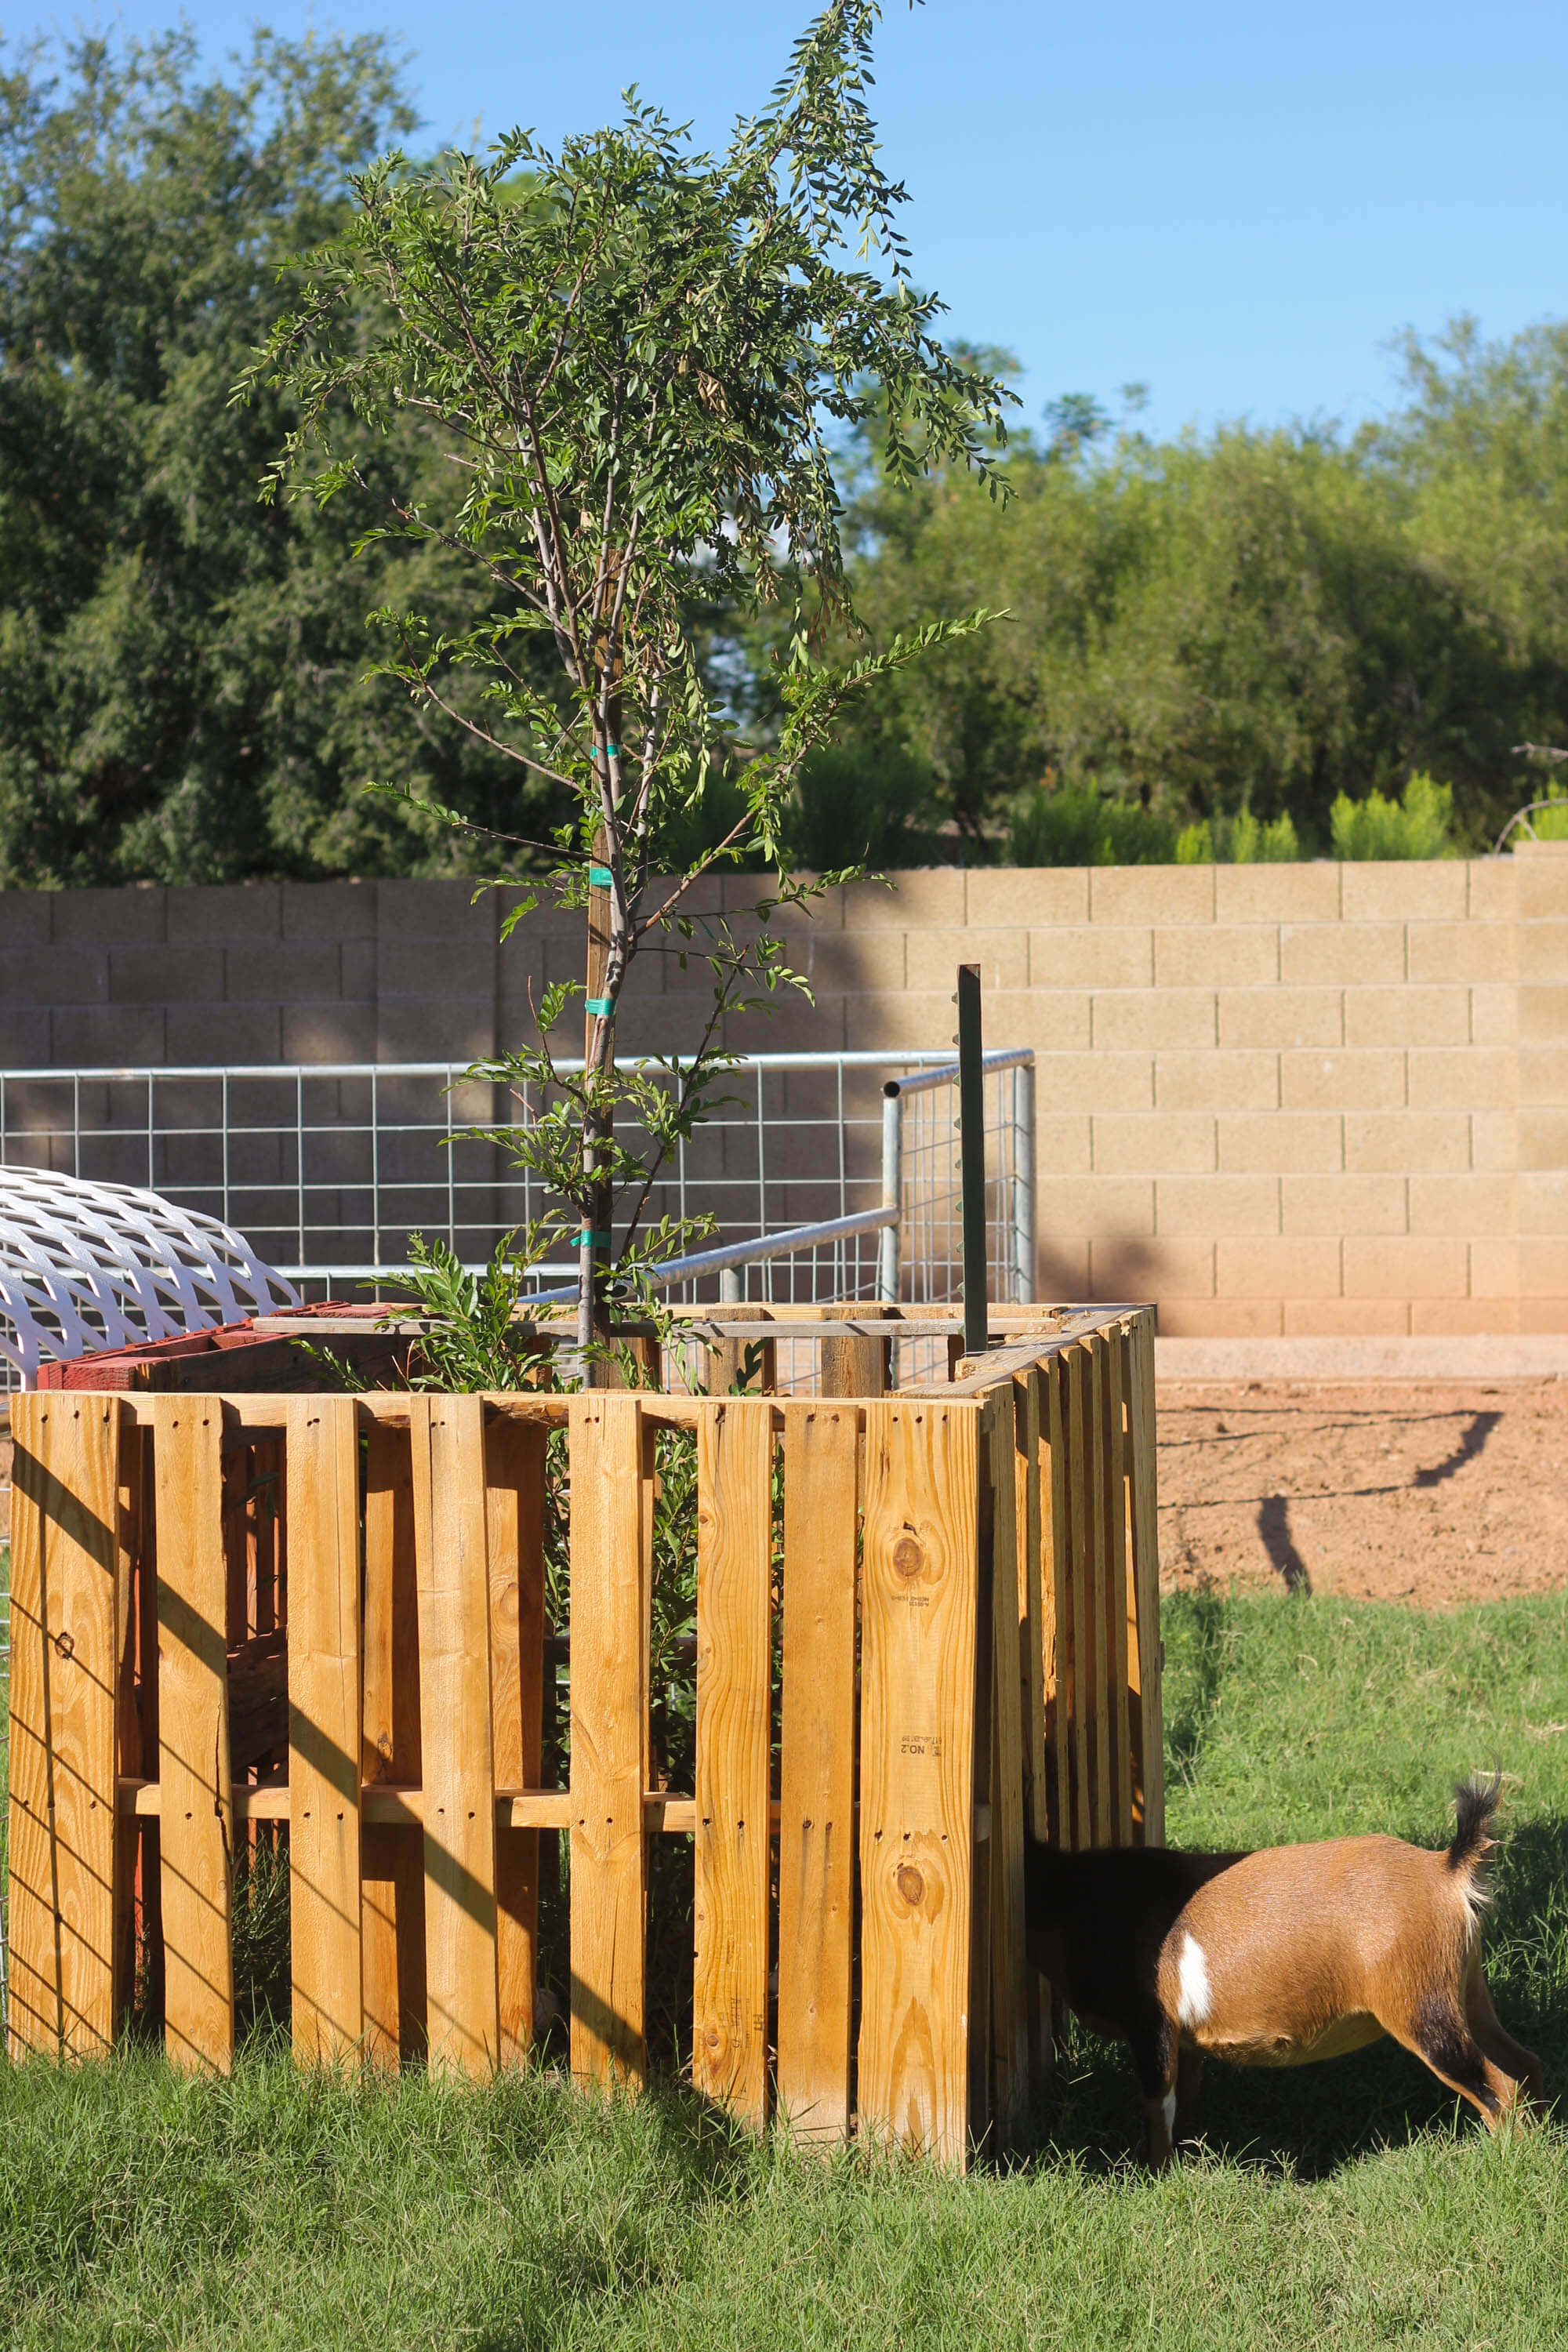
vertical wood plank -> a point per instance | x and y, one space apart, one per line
392 1860
63 1847
735 1660
1146 1579
1113 1522
1127 1342
447 1453
514 1519
324 1727
1009 1970
1056 1600
196 1823
1026 1493
1077 1437
918 1771
1102 1808
133 1559
609 1738
816 1769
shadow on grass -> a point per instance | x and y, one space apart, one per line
1187 1728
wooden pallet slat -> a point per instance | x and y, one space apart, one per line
816 1769
734 1668
392 1859
195 1825
1146 1578
64 1843
609 1738
1076 1440
917 1772
514 1524
1028 1506
447 1441
1056 1602
324 1728
1009 1974
1112 1456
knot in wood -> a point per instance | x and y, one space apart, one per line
910 1885
66 1645
907 1558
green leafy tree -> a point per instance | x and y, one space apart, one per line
181 693
632 356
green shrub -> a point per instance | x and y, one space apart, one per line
1550 824
1418 825
1078 824
1242 840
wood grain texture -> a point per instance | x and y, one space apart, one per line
817 1772
514 1522
447 1453
1146 1579
1009 1971
1056 1602
195 1825
64 1846
1027 1393
1127 1342
734 1658
1101 1742
392 1860
609 1738
324 1728
918 1772
1077 1438
1112 1470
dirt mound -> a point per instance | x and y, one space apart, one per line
1376 1490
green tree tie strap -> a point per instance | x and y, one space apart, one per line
592 1239
600 877
605 1006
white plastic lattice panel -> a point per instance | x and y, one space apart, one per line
102 1265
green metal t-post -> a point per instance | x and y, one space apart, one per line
971 1160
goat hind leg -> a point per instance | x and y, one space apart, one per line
1440 2036
1155 2056
1497 2044
1189 2074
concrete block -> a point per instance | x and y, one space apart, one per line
1368 1080
1494 1142
1494 1265
1276 1266
1278 894
793 1026
54 976
930 900
1542 1071
1215 955
225 911
1216 1080
107 918
1282 1142
1408 1142
24 919
1062 1144
1470 1205
1542 1139
1444 953
1153 1143
330 910
1541 957
1061 1269
1543 1315
329 1033
1360 955
1407 1265
1490 896
922 1021
1220 1318
1493 1009
1027 894
1125 1019
850 963
1543 1015
1150 1267
102 1036
1447 1318
1540 1268
1186 1205
1342 1205
1418 889
25 1039
1091 1205
1346 1318
200 1034
294 973
1542 1202
1003 957
434 969
1408 1015
1086 1081
1150 893
1089 955
1468 1078
1541 881
358 971
435 910
164 975
1257 1018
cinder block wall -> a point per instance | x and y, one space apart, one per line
1306 1100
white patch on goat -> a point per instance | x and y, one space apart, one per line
1168 2110
1196 1998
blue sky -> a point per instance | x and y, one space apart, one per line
1235 206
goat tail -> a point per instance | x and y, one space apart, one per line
1475 1801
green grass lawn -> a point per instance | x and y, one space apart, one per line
1341 2205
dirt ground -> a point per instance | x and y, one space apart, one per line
1376 1490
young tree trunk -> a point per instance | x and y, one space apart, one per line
598 1053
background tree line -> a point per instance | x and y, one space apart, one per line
1218 632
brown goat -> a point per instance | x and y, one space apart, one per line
1276 1958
